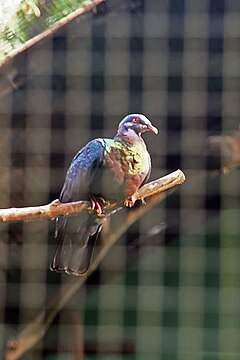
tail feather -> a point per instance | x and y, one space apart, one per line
74 250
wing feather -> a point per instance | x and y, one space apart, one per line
83 170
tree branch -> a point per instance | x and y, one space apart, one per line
18 33
56 208
35 331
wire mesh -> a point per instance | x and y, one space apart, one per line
170 288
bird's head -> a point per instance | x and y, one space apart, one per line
138 123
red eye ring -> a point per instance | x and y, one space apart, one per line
135 120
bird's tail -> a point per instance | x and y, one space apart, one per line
75 246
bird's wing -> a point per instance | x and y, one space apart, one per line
77 235
83 171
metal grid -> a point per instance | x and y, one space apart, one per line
170 288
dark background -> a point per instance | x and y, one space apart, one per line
174 289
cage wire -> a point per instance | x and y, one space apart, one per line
170 288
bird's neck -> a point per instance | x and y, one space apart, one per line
128 136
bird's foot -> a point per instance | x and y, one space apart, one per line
98 204
143 201
95 205
130 201
103 202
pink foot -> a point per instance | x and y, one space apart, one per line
98 204
130 201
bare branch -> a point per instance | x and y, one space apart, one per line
34 331
56 208
49 211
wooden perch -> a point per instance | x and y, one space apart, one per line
33 332
56 208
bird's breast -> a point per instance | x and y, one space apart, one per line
124 170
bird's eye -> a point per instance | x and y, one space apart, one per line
135 120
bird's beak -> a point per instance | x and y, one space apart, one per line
152 128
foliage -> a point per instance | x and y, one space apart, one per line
22 20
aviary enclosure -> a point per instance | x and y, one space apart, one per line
165 281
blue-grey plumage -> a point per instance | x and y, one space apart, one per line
112 169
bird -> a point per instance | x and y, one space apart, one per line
104 170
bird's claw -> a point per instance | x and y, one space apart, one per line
143 201
130 201
98 204
103 202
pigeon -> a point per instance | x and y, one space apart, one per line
104 170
